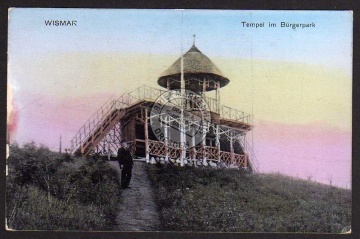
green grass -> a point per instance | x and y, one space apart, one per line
206 199
37 213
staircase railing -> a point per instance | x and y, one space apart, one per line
95 121
125 100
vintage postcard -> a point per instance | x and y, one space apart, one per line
179 120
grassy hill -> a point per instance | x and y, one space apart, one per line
194 199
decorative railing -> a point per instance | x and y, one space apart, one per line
225 157
233 114
207 152
157 148
212 104
143 93
239 159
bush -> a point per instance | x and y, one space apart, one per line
94 183
84 191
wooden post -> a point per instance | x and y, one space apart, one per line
147 156
231 150
246 160
168 84
203 143
193 143
182 144
218 97
218 141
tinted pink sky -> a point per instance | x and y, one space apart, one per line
317 151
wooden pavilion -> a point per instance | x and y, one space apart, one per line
129 118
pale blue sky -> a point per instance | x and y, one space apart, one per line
219 33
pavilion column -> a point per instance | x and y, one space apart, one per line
193 149
204 87
217 135
146 135
168 84
182 144
218 97
231 150
131 136
246 160
243 146
203 143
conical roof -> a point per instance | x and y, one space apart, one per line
197 66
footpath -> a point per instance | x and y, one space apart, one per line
138 210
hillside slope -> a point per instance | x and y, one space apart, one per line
191 199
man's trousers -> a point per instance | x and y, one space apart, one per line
125 176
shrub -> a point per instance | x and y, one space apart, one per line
44 188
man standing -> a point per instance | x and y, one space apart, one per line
126 163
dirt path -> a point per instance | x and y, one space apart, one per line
138 209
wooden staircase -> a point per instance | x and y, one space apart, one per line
98 126
100 132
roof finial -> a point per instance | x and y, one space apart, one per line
194 39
